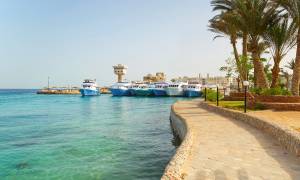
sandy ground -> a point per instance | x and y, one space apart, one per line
288 118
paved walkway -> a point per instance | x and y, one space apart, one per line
229 149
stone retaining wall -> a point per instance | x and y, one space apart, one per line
281 103
278 99
237 96
287 137
173 170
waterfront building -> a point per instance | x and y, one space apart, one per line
120 70
158 77
208 80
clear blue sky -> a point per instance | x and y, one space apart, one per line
70 40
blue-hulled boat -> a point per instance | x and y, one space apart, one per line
120 89
193 90
132 89
89 88
160 89
143 90
176 89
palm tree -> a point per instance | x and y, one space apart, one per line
229 6
258 15
224 25
253 17
287 77
291 64
281 38
293 8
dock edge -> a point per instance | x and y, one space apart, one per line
173 171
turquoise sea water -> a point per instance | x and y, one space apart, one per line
74 137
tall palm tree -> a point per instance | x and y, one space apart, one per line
258 15
229 7
291 64
253 17
293 8
223 25
281 38
286 75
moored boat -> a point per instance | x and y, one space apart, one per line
132 89
120 89
89 88
143 90
160 89
193 90
176 89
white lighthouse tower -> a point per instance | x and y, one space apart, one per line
120 70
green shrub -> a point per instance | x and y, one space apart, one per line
256 90
275 91
212 95
286 92
271 91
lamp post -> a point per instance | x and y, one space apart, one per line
245 84
217 95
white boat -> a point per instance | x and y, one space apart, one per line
132 88
160 89
144 90
89 88
176 89
120 89
193 90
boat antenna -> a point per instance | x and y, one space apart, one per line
48 82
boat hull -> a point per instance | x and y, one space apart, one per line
190 93
89 92
143 92
174 92
120 92
159 92
132 92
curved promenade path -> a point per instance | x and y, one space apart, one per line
228 149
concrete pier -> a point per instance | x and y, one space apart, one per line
58 91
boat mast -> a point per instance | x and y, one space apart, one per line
48 82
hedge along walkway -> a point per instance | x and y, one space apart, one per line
229 149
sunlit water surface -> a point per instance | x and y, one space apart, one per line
74 137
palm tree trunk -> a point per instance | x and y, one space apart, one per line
244 68
276 70
236 56
260 79
287 84
275 74
245 41
296 70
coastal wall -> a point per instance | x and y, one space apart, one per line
173 170
287 137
